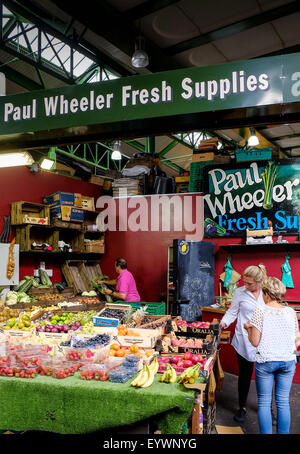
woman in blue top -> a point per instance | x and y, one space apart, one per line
244 301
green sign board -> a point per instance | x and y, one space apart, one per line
257 82
253 196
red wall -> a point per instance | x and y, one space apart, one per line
18 183
147 256
145 251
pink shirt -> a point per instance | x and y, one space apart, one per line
126 284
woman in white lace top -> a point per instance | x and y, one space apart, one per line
274 331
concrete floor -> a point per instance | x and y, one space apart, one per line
227 404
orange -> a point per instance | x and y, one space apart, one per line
120 353
115 347
134 348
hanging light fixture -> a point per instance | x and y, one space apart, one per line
116 154
140 57
253 139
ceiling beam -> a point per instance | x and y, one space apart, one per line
146 8
19 78
110 24
237 27
37 16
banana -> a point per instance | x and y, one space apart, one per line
144 376
150 380
138 377
154 366
163 377
169 376
173 377
189 373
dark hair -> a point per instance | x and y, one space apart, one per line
121 263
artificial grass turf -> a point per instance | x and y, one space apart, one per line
75 406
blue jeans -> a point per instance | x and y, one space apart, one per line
265 374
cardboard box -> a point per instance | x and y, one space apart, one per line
60 198
107 185
183 179
67 213
147 338
203 157
34 220
95 179
77 200
87 203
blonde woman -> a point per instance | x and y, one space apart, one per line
244 302
274 331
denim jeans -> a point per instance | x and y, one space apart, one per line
265 374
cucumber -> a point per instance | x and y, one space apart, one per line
16 287
35 282
45 280
26 285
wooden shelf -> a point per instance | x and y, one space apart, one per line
61 255
279 246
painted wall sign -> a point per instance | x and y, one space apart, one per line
254 196
257 82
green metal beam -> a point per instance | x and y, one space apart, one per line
173 166
35 15
150 145
135 144
169 147
237 27
19 78
79 158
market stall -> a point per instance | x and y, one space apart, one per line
105 368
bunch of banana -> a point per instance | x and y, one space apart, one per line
154 366
190 374
169 376
146 376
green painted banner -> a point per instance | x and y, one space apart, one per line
257 82
253 196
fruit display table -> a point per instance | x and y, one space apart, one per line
74 406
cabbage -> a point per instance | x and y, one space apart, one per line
11 298
23 298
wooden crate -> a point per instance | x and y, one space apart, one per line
20 210
65 224
27 234
76 276
96 179
96 246
92 269
73 237
42 291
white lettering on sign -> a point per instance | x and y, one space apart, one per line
296 86
16 113
60 105
210 89
144 96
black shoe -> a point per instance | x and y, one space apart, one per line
240 415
